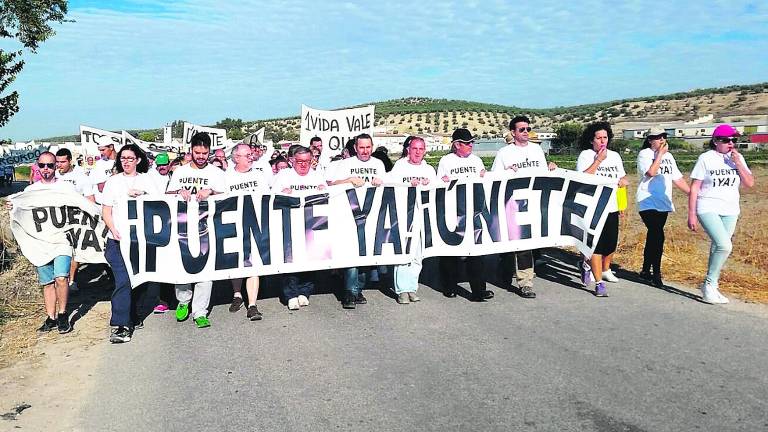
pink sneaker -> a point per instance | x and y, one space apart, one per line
160 309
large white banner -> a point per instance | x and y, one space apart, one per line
229 236
218 136
89 135
130 139
49 223
335 128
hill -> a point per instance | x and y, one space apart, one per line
427 115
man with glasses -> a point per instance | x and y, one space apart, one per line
243 177
103 167
301 179
358 170
522 158
53 276
197 179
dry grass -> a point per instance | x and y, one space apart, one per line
685 253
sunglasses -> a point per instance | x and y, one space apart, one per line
46 165
525 129
726 140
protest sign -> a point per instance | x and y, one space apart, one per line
335 128
218 136
240 235
89 136
48 223
25 155
129 139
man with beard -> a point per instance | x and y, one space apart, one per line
198 180
357 170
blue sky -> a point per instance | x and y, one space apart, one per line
140 63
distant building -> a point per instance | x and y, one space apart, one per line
686 130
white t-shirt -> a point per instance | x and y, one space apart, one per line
719 191
56 185
456 167
404 172
194 179
612 167
251 180
160 181
655 193
262 165
102 170
290 179
354 167
116 190
78 178
527 160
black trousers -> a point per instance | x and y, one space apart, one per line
654 241
449 268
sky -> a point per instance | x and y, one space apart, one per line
138 64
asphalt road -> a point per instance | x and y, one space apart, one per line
643 359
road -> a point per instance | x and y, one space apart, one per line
643 359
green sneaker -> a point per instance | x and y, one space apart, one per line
202 322
182 311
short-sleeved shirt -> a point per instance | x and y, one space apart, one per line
526 160
116 189
290 179
160 181
354 167
405 172
252 180
720 181
655 193
457 167
195 179
102 170
612 167
79 179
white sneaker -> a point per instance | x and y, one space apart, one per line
722 299
708 294
608 276
293 304
303 301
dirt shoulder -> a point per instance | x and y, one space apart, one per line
48 384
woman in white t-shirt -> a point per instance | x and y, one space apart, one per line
462 164
658 172
714 202
129 182
597 159
411 169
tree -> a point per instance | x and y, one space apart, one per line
28 23
148 136
567 134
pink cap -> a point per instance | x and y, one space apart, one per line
725 130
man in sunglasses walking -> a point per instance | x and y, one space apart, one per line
524 159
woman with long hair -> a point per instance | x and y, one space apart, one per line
714 202
658 172
597 159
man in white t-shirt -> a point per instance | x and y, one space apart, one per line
200 180
79 179
524 158
244 176
160 172
53 276
102 169
300 179
358 170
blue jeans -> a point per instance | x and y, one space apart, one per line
121 294
57 268
355 279
720 229
297 284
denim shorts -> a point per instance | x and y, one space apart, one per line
59 267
